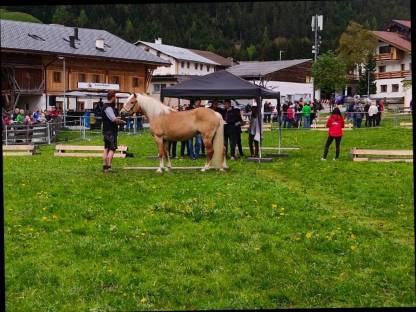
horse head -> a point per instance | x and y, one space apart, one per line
131 106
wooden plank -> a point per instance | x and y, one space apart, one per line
275 148
326 129
18 147
155 168
17 154
382 152
121 148
116 155
390 159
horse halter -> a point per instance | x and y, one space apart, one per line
130 110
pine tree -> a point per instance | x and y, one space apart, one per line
82 19
367 78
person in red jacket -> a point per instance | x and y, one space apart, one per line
335 124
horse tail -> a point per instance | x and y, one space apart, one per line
218 145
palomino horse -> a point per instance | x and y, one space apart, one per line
167 124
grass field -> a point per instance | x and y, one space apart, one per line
297 232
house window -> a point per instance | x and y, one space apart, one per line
385 49
146 49
80 106
394 88
383 88
57 77
182 64
208 67
196 65
96 78
158 53
81 77
135 82
115 79
157 87
382 69
188 64
403 67
200 66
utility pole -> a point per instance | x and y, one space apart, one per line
64 106
317 25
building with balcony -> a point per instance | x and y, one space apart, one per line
393 58
185 63
46 65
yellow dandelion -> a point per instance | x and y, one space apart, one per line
352 236
353 247
257 248
282 209
44 218
54 217
109 270
282 214
143 300
45 208
309 235
274 206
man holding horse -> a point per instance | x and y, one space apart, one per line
110 128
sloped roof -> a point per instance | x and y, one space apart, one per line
55 39
258 69
178 53
405 23
214 57
395 39
218 85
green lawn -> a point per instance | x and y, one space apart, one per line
297 232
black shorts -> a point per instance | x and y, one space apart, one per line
110 140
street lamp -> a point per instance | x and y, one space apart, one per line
64 106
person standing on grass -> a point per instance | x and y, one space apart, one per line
372 115
335 123
380 108
306 110
110 129
254 133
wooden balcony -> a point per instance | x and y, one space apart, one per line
386 57
392 74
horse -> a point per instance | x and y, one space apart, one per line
167 125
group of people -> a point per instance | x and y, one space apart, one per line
371 111
19 116
300 113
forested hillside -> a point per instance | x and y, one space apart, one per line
242 30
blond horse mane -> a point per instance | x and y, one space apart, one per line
151 107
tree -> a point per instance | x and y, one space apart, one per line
329 73
356 45
364 80
251 52
129 31
62 16
82 19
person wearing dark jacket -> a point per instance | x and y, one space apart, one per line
335 124
110 129
231 118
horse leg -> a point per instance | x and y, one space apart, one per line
160 146
209 151
167 156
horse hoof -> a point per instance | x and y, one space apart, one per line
222 170
204 169
159 170
167 169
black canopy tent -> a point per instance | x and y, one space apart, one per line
221 85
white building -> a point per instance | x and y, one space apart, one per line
394 59
184 65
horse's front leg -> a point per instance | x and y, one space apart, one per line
166 153
160 146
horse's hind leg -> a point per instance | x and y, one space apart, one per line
210 151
